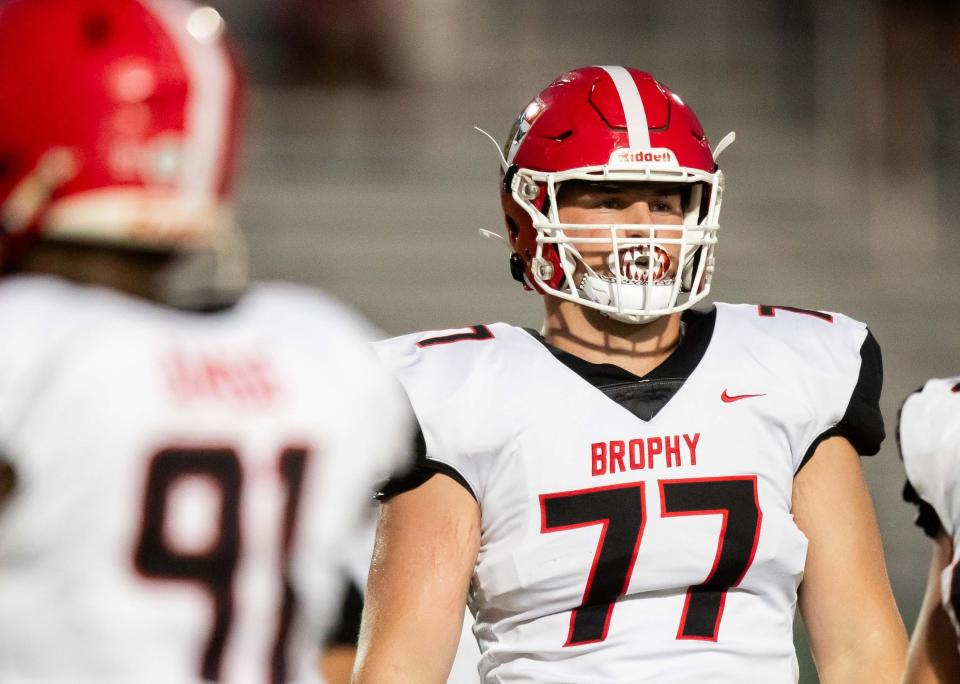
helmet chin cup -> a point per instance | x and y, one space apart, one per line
627 297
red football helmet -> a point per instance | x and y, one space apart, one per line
618 125
118 125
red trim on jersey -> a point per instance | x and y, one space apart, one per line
605 522
480 333
716 560
769 311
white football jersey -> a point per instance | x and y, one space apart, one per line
185 482
929 435
639 529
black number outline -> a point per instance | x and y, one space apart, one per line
576 509
769 311
706 598
704 603
478 333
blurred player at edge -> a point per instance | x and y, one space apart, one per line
929 434
637 493
178 485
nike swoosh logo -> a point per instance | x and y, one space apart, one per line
727 398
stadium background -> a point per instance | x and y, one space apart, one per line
362 174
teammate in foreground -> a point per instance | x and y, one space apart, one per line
644 491
176 486
929 433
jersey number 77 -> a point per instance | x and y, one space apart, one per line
621 512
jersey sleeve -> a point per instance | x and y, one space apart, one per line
862 421
826 367
927 434
927 518
845 379
369 442
446 376
418 470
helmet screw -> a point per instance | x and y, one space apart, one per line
528 189
543 268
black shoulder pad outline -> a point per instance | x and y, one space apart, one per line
862 422
421 469
927 518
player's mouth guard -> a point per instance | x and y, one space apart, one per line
637 262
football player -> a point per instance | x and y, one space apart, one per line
177 485
929 433
641 491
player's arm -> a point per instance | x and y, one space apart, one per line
856 633
426 548
933 653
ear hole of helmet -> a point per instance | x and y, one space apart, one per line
517 268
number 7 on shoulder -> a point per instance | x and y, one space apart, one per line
768 311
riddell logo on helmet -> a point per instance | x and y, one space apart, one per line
642 156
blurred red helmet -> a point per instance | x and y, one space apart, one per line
620 125
118 124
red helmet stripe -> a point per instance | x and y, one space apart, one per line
637 131
212 91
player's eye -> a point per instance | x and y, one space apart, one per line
609 202
665 206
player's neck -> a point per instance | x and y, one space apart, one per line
133 273
596 338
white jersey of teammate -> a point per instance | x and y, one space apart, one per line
929 432
639 530
184 481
